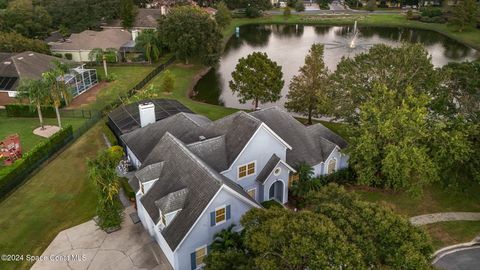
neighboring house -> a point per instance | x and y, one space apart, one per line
15 67
147 18
196 177
81 44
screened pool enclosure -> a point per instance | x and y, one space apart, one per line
81 79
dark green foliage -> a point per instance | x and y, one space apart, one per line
191 34
79 15
431 11
299 6
127 188
258 78
384 238
69 56
253 12
27 110
59 55
223 15
323 4
271 204
371 5
257 4
464 14
25 18
33 158
128 12
287 12
149 43
14 42
102 171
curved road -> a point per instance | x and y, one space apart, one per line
335 8
463 259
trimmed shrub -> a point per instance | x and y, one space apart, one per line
127 188
30 161
59 55
27 110
299 6
69 56
253 12
431 12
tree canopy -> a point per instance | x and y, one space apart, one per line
25 18
464 14
127 13
192 34
149 44
258 78
14 42
338 231
308 92
223 15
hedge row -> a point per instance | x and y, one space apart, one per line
31 160
27 110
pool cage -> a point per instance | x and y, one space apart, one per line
81 79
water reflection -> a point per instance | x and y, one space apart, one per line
288 45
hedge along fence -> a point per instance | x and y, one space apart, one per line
27 110
23 167
32 160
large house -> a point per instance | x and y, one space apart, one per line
79 46
196 177
15 67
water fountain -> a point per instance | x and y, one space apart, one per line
351 41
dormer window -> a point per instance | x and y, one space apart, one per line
163 219
246 170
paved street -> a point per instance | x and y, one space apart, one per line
129 248
464 259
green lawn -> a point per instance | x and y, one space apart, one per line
25 126
184 81
59 196
435 199
126 77
453 232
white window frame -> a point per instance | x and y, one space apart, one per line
255 189
246 164
223 221
199 266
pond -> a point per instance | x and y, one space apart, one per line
288 45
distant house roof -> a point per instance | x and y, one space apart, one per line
146 18
54 37
210 10
25 65
88 40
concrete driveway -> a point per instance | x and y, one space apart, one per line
462 259
87 247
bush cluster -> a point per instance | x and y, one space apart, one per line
428 15
30 160
27 110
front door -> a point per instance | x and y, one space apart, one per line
276 191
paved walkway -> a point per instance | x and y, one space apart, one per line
129 248
447 216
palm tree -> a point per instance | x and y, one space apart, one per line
37 92
98 54
148 42
59 91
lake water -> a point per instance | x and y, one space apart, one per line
288 45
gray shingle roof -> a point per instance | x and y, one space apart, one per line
237 129
27 65
150 172
307 146
323 131
182 169
146 18
172 201
213 151
265 172
88 40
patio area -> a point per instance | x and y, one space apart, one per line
87 247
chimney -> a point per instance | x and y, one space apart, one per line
147 113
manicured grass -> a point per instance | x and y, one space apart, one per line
59 196
468 37
25 126
453 232
126 77
434 199
185 76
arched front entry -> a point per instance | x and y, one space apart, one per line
276 191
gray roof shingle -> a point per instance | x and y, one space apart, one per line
308 145
182 170
265 172
89 39
172 201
